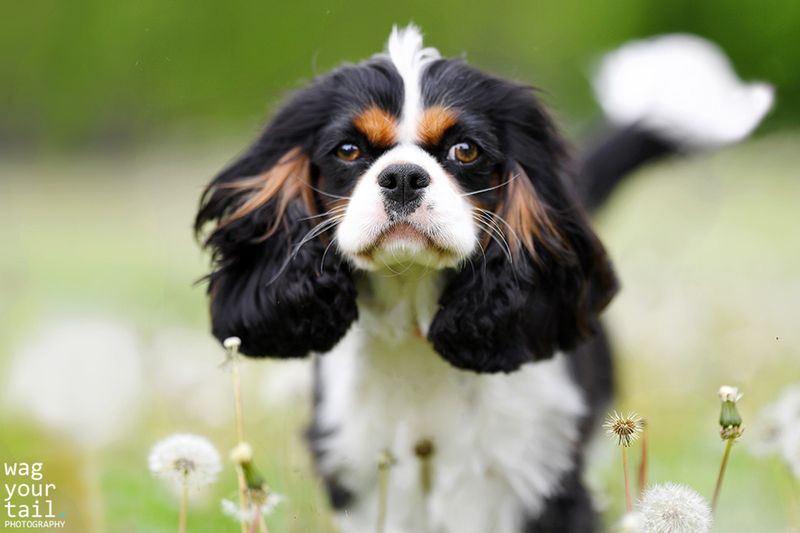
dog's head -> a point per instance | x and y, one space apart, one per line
408 158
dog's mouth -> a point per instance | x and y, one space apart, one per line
404 240
402 232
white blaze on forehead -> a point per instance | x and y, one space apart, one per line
410 59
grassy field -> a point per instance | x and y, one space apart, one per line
706 247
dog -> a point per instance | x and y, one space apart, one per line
420 228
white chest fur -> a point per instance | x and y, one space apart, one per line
502 441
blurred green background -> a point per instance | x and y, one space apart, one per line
74 74
113 116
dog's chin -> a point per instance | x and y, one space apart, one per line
402 245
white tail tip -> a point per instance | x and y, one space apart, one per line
682 87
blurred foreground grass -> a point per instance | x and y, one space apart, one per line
706 248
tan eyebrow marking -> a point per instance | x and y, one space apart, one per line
434 123
377 125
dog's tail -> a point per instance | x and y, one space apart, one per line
664 95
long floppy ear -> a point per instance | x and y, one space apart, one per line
543 292
273 285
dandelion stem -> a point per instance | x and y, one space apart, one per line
722 468
794 502
628 500
184 506
256 520
384 465
242 495
643 461
262 524
237 400
94 494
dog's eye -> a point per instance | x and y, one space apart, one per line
348 152
465 152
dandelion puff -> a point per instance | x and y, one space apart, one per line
248 515
772 425
80 376
674 508
625 428
185 458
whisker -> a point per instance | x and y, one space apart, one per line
509 180
494 232
319 229
322 261
320 191
312 233
488 225
338 209
394 272
495 216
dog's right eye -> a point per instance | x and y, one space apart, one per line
348 152
463 152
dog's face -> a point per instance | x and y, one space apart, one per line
406 158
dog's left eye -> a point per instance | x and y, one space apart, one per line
348 152
465 152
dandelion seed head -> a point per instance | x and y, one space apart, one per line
729 394
185 458
242 453
232 343
625 429
674 508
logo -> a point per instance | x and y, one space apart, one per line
28 499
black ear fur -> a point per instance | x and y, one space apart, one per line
498 314
280 299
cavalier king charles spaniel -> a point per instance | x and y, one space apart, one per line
417 226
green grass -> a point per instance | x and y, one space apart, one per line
706 249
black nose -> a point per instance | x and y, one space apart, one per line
402 185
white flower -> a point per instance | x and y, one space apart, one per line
773 424
185 458
80 376
232 509
674 508
632 522
729 394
